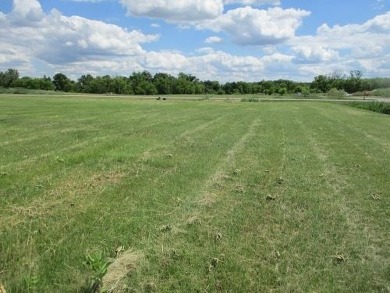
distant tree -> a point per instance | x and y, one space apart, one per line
337 79
142 83
45 83
84 83
228 88
121 85
164 83
9 77
212 87
185 84
354 82
37 83
62 82
321 83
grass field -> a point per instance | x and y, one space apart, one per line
192 196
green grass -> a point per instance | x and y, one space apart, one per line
192 196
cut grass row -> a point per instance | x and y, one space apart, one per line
214 196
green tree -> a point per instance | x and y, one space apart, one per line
9 77
121 85
212 87
163 83
62 82
354 82
321 83
84 83
185 84
45 83
142 83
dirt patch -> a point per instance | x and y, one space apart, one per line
125 264
112 177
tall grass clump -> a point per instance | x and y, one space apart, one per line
336 94
251 99
382 92
379 107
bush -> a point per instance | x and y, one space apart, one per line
336 94
382 92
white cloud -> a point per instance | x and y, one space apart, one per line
185 11
26 11
213 40
56 39
378 5
246 25
354 46
75 45
92 1
175 11
379 24
165 61
315 53
210 64
252 2
250 26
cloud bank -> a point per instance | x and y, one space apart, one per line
38 42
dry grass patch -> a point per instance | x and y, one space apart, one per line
72 192
208 199
114 279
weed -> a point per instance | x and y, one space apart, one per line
98 264
31 282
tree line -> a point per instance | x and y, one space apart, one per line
144 83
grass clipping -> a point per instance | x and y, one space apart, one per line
123 265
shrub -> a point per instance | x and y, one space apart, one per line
336 94
385 92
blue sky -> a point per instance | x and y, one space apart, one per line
221 40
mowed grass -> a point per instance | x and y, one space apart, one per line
204 196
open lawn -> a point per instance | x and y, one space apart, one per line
192 196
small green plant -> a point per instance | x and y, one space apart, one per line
31 282
98 264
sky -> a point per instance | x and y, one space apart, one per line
224 40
